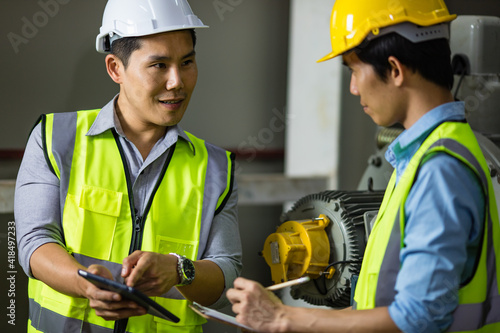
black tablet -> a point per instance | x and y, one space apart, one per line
131 293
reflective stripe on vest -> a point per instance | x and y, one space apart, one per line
479 297
96 201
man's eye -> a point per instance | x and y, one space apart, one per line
160 65
187 62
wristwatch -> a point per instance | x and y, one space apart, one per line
185 270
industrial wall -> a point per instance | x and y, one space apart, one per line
48 63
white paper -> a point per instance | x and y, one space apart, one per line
217 316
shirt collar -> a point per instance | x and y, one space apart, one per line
406 144
108 120
430 120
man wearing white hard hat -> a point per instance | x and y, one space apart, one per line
432 260
125 193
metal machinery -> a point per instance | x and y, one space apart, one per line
324 235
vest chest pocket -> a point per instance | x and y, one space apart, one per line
187 248
96 211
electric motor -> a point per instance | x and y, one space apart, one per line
344 219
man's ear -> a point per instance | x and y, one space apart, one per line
397 72
115 68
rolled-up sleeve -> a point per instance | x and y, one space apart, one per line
36 203
224 245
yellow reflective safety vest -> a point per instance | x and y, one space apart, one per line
100 225
479 299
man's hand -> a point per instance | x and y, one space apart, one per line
152 273
107 304
255 306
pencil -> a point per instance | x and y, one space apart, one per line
289 283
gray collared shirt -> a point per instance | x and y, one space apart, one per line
37 209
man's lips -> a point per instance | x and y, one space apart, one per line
364 106
172 101
172 104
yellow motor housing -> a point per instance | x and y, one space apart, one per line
298 248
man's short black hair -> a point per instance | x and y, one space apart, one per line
431 59
123 47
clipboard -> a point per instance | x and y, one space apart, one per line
230 320
217 316
131 293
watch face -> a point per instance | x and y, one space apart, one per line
188 268
185 269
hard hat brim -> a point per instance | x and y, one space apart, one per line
101 37
329 56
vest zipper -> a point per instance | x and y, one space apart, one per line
137 220
135 244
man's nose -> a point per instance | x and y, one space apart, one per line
353 86
174 80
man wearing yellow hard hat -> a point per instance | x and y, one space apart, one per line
432 259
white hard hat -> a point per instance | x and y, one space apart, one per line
133 18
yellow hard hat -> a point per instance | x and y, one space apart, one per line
353 20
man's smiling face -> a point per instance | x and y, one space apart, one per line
159 79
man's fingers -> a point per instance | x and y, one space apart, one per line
242 283
113 306
130 261
100 270
120 313
144 263
110 309
135 275
135 265
104 295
